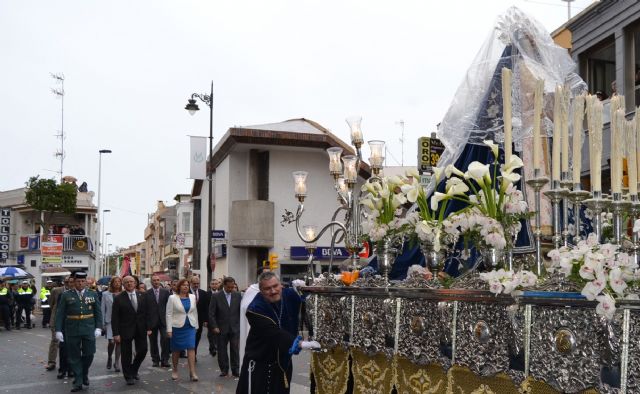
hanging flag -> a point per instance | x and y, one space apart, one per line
198 158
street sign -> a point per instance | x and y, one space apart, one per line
217 234
429 151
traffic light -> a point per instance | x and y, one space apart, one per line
273 261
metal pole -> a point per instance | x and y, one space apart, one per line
99 224
209 213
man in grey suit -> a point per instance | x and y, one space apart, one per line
157 298
224 321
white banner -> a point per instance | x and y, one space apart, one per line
198 158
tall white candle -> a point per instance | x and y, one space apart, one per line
564 125
557 133
506 112
594 123
616 126
537 114
630 139
578 118
617 150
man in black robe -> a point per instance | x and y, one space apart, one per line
273 338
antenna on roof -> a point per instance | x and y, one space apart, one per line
401 123
60 93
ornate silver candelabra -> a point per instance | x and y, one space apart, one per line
577 196
556 194
537 183
565 185
597 204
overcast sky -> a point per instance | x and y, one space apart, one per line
131 65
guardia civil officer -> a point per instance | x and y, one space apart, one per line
78 311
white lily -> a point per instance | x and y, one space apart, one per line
436 198
398 200
456 186
411 191
413 172
451 169
437 172
477 171
510 177
514 163
367 202
494 147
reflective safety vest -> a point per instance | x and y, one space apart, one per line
4 292
29 290
44 297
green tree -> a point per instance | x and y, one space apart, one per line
48 197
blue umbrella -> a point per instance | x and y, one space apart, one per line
104 280
14 272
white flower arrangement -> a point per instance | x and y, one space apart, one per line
496 205
383 201
604 271
501 281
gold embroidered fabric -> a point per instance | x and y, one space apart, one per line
532 386
331 370
412 378
463 381
371 374
378 375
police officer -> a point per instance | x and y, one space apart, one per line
45 295
25 296
5 302
78 311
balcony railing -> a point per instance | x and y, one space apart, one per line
70 243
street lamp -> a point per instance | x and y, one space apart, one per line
106 254
192 107
102 227
98 245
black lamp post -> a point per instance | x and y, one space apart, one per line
192 107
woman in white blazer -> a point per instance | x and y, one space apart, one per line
182 323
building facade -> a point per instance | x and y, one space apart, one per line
68 242
252 187
159 253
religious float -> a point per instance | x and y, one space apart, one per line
486 306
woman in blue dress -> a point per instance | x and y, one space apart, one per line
182 323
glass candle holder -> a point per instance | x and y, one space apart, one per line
354 123
335 165
350 171
300 183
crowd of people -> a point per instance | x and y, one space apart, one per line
253 335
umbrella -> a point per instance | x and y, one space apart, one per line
14 272
104 280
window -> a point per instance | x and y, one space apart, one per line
601 68
185 222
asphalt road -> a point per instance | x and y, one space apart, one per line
24 358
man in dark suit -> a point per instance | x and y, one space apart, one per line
214 287
224 321
129 322
202 303
157 298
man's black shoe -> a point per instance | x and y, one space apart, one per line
156 364
224 374
61 375
130 382
50 367
235 375
213 354
85 380
75 389
165 365
137 377
69 374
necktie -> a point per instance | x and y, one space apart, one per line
228 298
196 293
134 301
157 295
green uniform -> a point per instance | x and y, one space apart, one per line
78 317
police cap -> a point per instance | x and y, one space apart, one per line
80 275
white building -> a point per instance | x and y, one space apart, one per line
252 187
21 244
